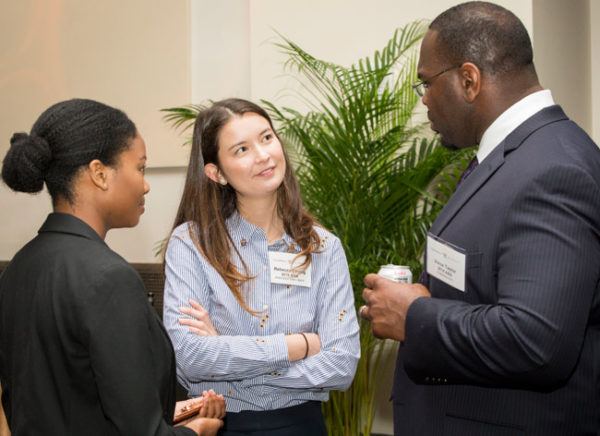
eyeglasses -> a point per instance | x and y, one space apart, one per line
421 86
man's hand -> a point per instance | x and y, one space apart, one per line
387 305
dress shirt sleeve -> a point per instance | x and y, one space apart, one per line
333 368
212 357
115 323
547 273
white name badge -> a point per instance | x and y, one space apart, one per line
446 262
283 272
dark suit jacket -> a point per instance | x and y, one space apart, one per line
81 350
519 351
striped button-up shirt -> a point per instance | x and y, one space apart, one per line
248 361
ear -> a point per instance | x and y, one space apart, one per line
470 76
214 173
98 174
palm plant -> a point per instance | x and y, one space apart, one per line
368 173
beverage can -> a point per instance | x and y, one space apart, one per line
397 273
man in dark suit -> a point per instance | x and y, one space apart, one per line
502 335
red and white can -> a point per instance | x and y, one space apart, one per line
397 273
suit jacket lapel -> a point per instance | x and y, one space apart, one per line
495 160
469 187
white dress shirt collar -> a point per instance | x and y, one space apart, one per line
510 119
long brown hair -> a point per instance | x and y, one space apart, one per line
205 204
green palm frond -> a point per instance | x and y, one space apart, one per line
182 117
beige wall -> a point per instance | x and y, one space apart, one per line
562 55
132 54
220 49
341 31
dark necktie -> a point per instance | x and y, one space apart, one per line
472 165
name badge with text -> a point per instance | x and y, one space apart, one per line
283 272
446 262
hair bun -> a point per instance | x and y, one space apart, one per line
26 162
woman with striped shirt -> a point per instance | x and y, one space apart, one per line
270 312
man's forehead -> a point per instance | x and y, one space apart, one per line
429 55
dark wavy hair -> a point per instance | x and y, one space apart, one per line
488 35
205 204
66 137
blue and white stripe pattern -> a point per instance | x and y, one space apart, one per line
248 362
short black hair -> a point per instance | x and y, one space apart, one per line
66 137
488 35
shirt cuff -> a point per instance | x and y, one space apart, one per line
277 347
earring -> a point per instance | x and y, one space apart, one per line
222 180
105 186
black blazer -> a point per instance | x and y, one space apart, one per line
82 352
519 351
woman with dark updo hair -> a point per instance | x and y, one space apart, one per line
81 349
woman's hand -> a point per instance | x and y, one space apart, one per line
200 322
209 405
211 412
203 426
213 405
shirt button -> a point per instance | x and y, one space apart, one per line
264 267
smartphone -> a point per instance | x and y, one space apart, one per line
187 412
